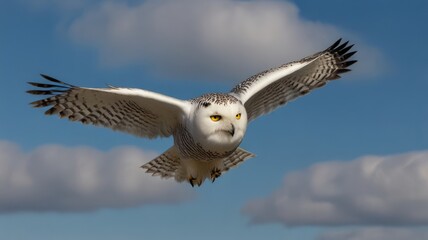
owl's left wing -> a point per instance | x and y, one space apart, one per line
135 111
264 92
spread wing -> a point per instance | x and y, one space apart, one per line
136 111
266 91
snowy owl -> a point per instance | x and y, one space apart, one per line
207 130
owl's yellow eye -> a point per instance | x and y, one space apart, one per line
238 116
215 118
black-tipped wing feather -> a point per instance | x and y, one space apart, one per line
136 111
264 92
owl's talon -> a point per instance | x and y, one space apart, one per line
215 173
191 181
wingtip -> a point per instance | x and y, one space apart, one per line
335 44
37 92
338 41
342 53
47 77
348 63
52 79
345 49
348 55
343 70
341 47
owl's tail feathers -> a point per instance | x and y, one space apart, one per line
237 157
168 164
164 165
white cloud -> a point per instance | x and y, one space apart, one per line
372 190
57 178
375 234
207 39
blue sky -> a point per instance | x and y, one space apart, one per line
348 161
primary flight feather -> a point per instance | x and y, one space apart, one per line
207 130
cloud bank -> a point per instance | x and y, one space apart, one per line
57 178
372 190
203 39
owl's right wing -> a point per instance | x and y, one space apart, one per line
266 91
135 111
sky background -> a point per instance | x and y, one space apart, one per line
348 161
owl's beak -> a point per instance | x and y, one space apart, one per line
232 130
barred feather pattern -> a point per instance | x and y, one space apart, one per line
102 108
214 98
236 158
167 163
315 72
164 165
189 148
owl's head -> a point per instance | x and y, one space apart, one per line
219 122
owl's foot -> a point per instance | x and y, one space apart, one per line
192 180
215 173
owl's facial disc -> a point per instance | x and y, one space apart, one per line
220 126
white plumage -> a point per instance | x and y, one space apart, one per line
207 130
